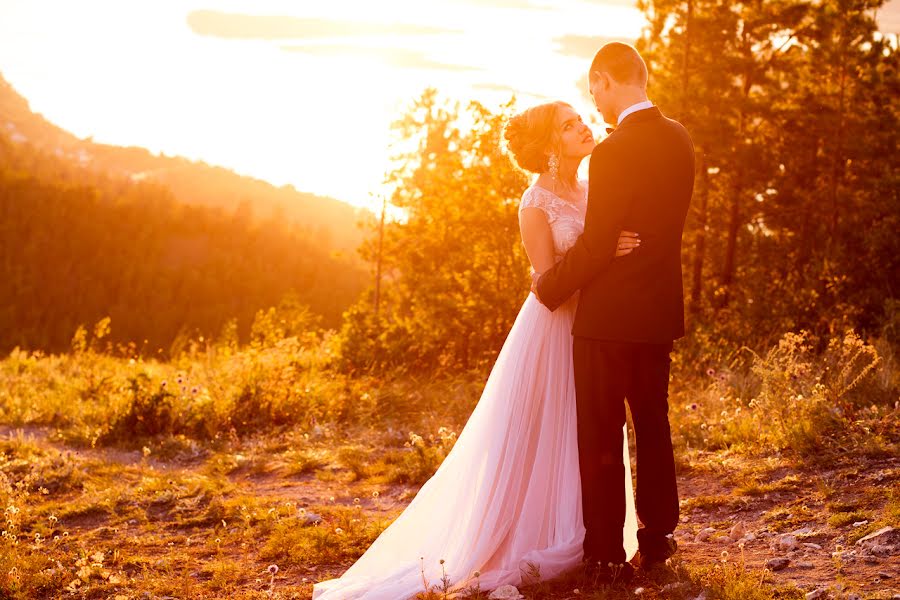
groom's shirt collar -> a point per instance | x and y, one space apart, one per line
634 108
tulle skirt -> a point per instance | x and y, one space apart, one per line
506 501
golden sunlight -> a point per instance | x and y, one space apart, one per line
301 93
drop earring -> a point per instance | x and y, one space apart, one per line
553 165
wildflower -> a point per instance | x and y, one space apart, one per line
441 561
711 372
339 531
356 501
375 494
724 555
694 406
272 569
180 379
476 574
164 383
194 390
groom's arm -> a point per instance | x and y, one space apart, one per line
609 198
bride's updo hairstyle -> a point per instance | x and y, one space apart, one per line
531 133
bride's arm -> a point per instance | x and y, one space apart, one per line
537 238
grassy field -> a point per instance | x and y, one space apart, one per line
251 472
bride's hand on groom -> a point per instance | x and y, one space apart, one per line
628 241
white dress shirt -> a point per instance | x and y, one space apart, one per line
634 108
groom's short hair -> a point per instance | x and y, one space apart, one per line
622 62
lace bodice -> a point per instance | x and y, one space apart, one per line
565 218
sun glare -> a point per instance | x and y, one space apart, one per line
300 93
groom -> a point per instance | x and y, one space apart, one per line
629 312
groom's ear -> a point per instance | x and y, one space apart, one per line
599 78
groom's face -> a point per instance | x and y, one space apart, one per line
601 92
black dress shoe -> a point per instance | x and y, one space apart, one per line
657 554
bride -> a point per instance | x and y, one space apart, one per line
506 502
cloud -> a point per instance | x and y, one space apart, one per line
628 3
584 46
271 27
515 4
499 87
398 57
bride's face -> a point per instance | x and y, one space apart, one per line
576 138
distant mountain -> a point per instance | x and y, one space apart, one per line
165 247
332 223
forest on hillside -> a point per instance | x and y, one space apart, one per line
191 182
79 245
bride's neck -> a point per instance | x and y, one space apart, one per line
566 179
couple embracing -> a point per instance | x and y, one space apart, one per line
539 480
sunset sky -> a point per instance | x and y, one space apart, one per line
296 92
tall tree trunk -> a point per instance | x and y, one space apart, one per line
686 64
379 258
700 243
734 214
836 166
734 226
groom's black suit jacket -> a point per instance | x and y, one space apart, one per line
641 179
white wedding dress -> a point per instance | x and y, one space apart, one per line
509 492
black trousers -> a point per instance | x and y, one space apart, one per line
606 374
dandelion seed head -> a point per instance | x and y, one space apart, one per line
272 569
